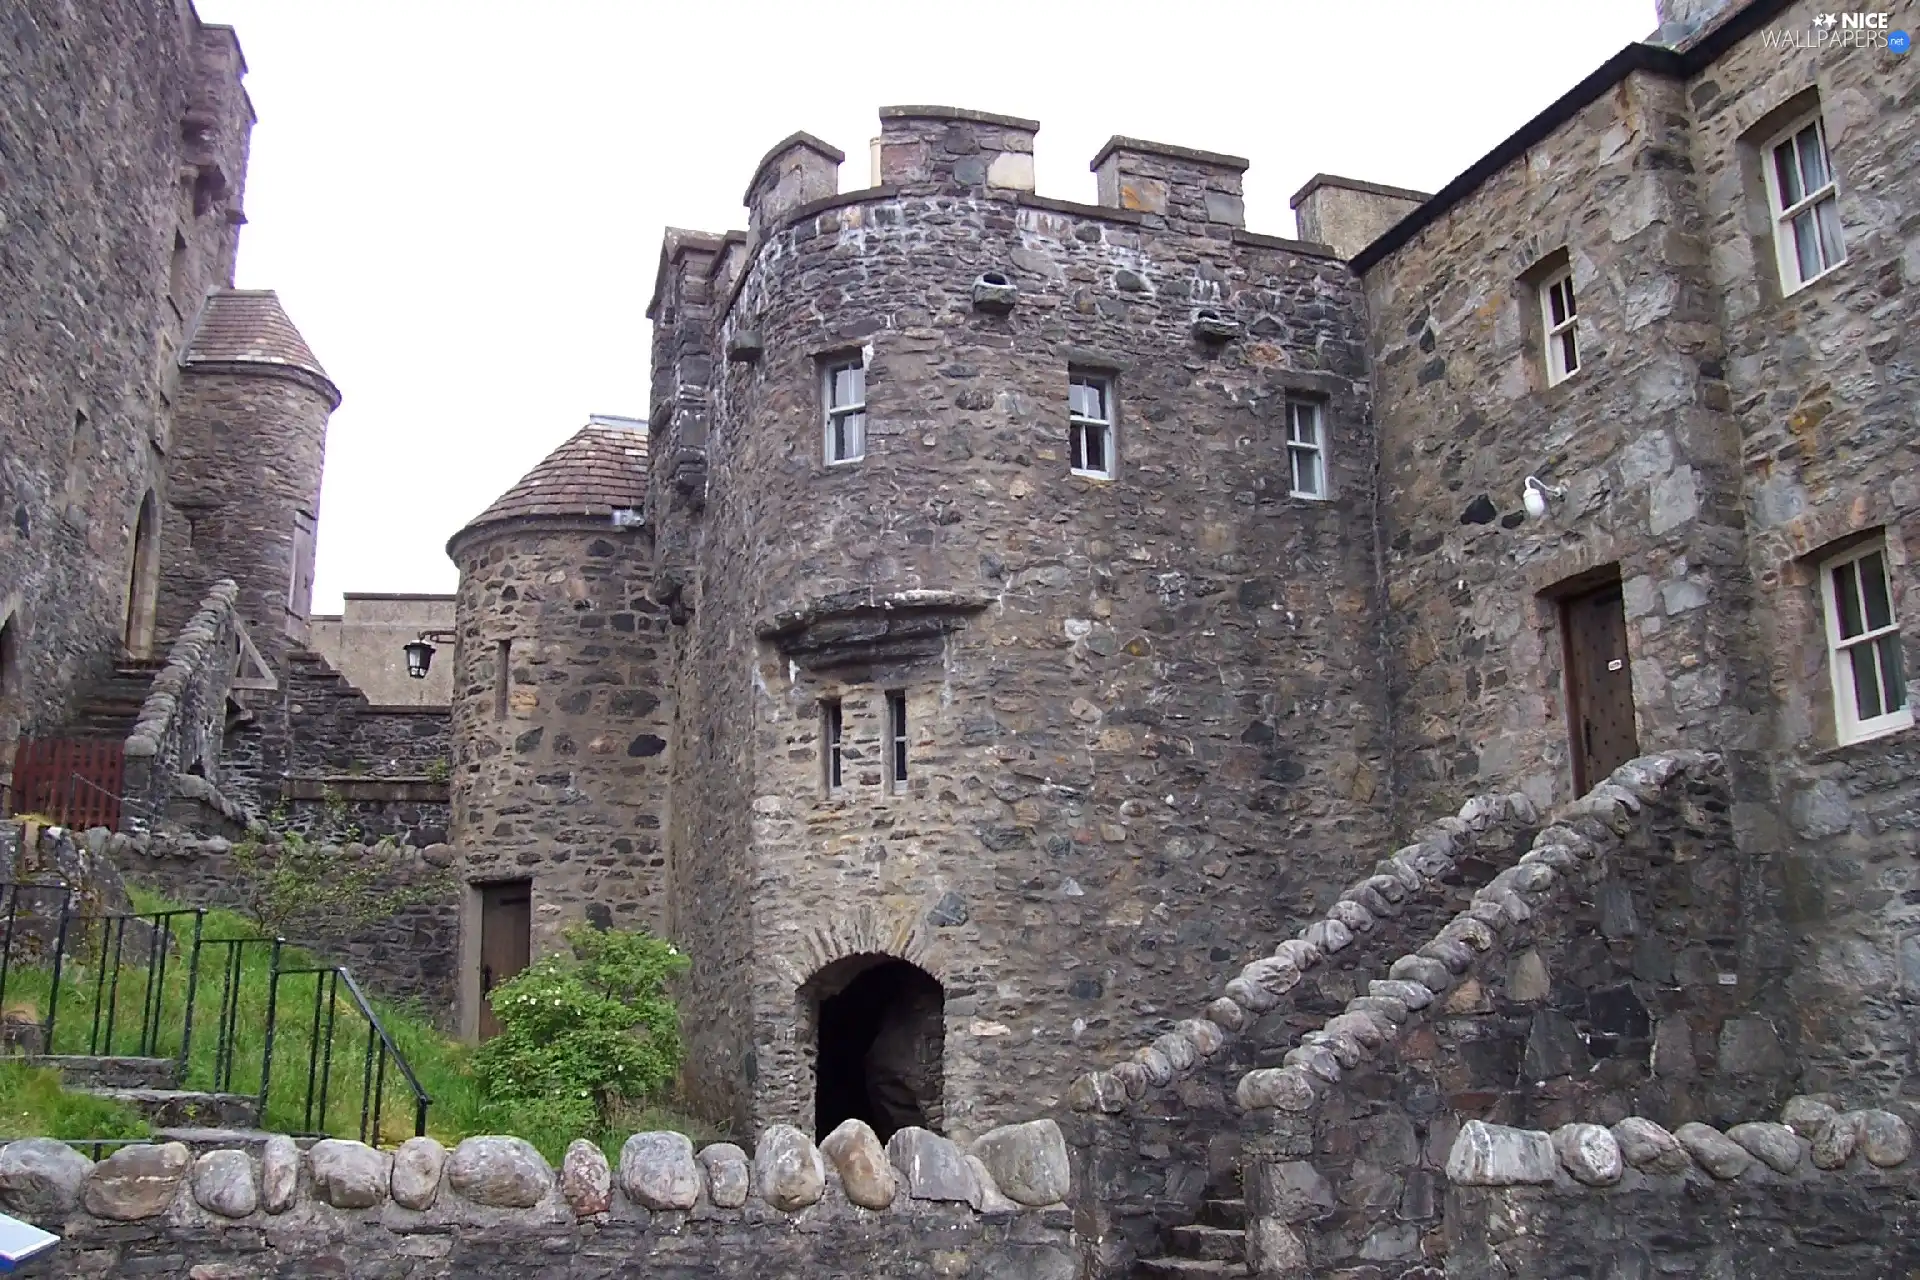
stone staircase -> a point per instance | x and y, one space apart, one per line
109 708
1216 1245
204 1121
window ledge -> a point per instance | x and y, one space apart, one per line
1905 735
1785 295
1100 477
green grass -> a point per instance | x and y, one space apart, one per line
442 1065
35 1104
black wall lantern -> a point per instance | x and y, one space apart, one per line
420 652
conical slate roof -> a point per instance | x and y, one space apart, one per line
248 326
600 470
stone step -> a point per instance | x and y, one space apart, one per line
188 1108
1215 1243
1231 1214
1185 1269
81 1071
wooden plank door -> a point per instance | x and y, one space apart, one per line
1599 685
506 941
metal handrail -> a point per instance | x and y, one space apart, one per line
379 1048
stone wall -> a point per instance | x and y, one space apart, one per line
411 953
1832 1198
321 759
106 173
1640 437
1830 447
559 763
493 1207
1145 713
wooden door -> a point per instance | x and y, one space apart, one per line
506 941
1599 685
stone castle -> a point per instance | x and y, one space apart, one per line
1015 616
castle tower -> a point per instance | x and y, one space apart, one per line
1027 644
249 446
560 710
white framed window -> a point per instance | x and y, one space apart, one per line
1805 202
832 760
843 391
897 740
1560 322
1090 423
1306 449
1863 640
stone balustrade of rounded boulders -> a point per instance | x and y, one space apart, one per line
1812 1138
1571 848
1260 986
1008 1170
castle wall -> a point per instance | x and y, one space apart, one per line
365 643
1639 436
93 101
559 773
1829 429
1145 714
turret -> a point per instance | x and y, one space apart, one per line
560 710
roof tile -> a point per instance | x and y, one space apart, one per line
600 470
248 326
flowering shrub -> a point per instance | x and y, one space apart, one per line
582 1033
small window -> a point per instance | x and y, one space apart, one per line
9 662
300 581
1306 449
1806 204
897 740
502 672
844 390
1090 419
1560 322
1863 638
831 758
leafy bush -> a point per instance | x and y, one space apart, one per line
583 1034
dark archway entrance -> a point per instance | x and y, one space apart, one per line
880 1032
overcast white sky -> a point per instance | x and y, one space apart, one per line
461 201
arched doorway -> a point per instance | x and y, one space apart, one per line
879 1034
143 586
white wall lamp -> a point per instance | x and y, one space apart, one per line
1534 496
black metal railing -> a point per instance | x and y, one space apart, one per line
322 1035
129 984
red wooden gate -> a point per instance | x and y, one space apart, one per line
74 781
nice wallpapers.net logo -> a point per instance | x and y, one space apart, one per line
1842 31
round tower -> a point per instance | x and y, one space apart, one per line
560 710
248 451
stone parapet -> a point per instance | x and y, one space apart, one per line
182 724
493 1205
1821 1193
948 148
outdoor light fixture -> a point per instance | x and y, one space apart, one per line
420 652
1536 494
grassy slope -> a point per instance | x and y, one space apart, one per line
458 1108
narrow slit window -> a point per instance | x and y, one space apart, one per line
1560 320
897 740
1306 449
1090 423
502 672
832 760
1863 641
844 388
1806 205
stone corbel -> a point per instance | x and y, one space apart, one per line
864 627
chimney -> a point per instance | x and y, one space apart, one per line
1347 214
